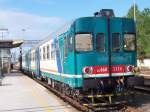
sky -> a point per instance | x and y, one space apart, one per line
35 19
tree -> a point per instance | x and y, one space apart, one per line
143 30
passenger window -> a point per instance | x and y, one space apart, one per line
48 52
53 51
116 42
100 42
33 56
52 55
44 57
40 54
129 42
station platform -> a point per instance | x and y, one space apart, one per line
19 93
146 75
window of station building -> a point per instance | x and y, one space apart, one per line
48 52
129 42
116 42
83 42
100 42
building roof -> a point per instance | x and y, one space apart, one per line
10 43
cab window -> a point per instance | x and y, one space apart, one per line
65 47
83 42
70 43
100 42
129 42
116 42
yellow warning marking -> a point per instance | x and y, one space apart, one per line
42 102
40 99
110 101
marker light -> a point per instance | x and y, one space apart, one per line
130 68
87 70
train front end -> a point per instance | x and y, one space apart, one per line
105 52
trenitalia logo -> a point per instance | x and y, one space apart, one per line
105 69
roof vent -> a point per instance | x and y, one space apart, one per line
105 13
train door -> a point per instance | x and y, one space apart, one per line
116 59
37 62
113 44
101 35
68 55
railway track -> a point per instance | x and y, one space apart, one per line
78 105
64 97
88 108
145 88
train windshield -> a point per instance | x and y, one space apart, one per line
83 42
116 42
100 42
129 42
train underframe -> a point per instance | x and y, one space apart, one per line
96 92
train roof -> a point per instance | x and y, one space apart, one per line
65 28
55 34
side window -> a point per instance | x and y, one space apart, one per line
33 56
53 52
65 47
70 43
40 54
44 53
116 42
48 50
100 42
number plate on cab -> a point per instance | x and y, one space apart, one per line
105 69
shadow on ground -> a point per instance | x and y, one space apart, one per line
13 74
36 109
141 100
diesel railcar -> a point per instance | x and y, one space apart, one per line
91 55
